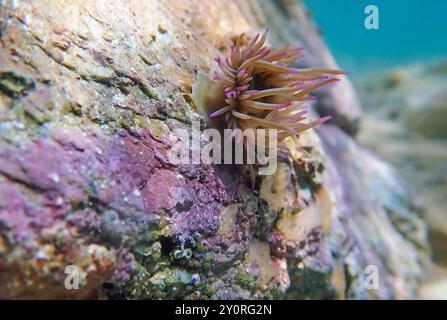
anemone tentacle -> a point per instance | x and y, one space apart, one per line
263 92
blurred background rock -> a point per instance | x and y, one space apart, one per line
400 73
405 122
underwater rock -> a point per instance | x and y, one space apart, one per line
89 110
405 124
377 214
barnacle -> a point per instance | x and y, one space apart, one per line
256 88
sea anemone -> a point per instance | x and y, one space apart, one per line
258 89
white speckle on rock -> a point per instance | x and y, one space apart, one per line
54 177
41 255
91 268
59 201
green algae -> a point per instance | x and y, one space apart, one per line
14 85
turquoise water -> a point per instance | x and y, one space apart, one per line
410 31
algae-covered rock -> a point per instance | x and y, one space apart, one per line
92 97
406 115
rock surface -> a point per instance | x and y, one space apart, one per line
406 114
90 96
